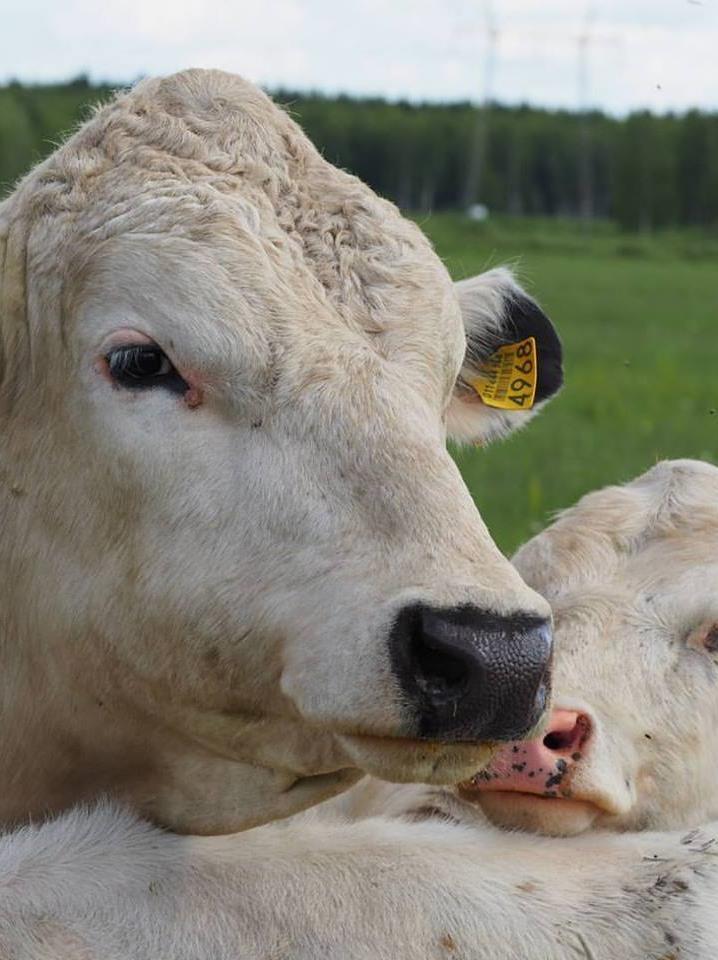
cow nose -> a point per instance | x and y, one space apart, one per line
541 766
470 675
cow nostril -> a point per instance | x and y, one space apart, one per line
438 670
569 732
558 741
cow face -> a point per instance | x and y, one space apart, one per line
228 369
632 576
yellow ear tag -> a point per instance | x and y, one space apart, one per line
507 379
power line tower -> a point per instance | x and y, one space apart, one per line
585 165
480 136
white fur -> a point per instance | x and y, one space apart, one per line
103 885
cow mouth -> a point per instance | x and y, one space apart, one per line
558 815
409 760
472 794
550 816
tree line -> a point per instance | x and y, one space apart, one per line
643 171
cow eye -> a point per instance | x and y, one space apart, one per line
142 366
711 640
704 638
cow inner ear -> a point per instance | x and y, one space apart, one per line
513 360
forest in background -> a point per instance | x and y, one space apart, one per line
643 171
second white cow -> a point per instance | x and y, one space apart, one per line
631 573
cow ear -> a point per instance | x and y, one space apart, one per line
513 360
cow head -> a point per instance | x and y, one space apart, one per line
238 562
631 573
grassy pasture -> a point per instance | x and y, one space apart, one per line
639 321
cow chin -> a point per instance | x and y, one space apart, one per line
415 761
550 816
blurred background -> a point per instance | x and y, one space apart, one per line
576 140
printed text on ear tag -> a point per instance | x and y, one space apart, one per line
507 379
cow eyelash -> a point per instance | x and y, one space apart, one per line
143 366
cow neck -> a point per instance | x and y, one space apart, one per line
61 746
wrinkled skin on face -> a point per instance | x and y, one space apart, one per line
631 573
199 574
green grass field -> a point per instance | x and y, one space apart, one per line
639 321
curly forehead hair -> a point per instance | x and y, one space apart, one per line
587 542
220 148
206 156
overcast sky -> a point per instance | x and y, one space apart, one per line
661 54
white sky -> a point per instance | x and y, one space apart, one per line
661 54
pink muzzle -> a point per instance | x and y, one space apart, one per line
542 766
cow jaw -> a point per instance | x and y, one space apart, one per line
415 761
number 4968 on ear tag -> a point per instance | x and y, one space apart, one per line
507 379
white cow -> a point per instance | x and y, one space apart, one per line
237 563
633 572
